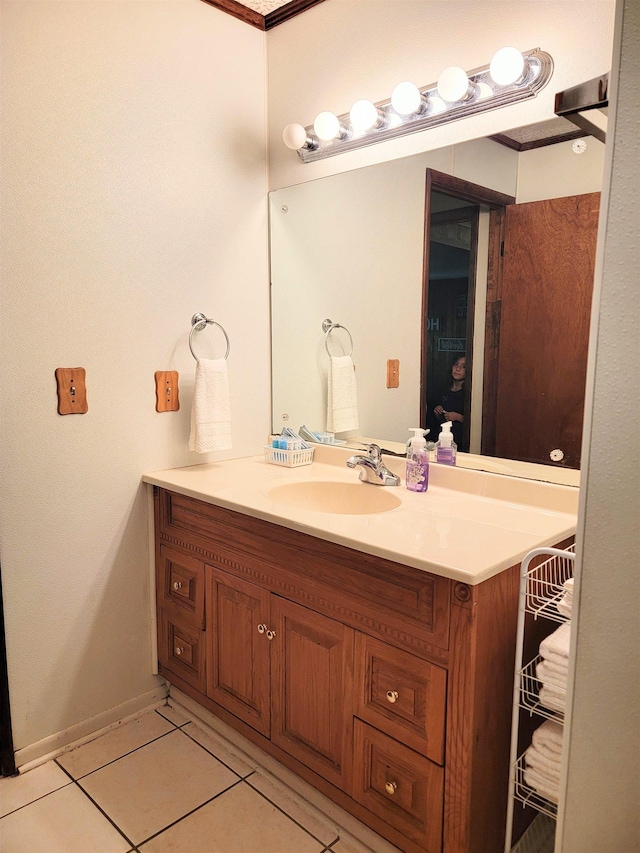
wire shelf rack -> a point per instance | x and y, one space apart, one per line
544 584
527 795
543 593
530 687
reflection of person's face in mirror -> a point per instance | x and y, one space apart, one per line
459 370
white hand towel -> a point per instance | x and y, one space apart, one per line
211 407
553 698
548 737
565 605
556 646
542 760
342 395
550 673
539 782
545 766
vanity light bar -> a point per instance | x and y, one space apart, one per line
470 93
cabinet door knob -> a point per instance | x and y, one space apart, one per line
177 585
262 628
392 696
390 787
179 650
270 634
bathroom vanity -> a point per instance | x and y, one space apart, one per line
370 652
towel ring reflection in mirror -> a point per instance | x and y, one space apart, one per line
200 322
327 327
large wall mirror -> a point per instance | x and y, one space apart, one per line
383 255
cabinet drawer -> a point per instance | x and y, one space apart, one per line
401 694
181 650
181 585
402 787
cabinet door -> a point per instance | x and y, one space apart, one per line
312 697
238 650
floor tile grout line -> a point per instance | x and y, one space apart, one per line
124 755
180 728
213 755
246 778
160 714
280 809
193 811
41 797
102 812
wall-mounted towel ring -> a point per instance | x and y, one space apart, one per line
198 323
327 327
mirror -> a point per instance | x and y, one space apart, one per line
350 248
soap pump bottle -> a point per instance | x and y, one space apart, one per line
417 479
446 448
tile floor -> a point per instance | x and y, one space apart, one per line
162 783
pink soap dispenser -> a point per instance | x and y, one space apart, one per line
417 475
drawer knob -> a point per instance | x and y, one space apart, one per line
177 585
392 696
270 634
391 787
262 629
179 650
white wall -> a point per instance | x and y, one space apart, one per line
555 170
134 196
342 50
603 736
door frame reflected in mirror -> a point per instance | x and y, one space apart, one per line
482 199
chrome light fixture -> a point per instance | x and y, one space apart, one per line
511 76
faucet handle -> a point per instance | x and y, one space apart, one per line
375 454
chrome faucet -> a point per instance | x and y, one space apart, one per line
372 468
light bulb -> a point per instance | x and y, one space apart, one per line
406 99
507 66
294 136
453 84
364 115
326 126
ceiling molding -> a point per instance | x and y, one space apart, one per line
279 15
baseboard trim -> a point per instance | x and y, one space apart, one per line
55 745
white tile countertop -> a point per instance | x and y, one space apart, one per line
468 526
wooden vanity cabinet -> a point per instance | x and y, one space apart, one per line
387 688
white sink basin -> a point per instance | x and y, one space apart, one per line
343 498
